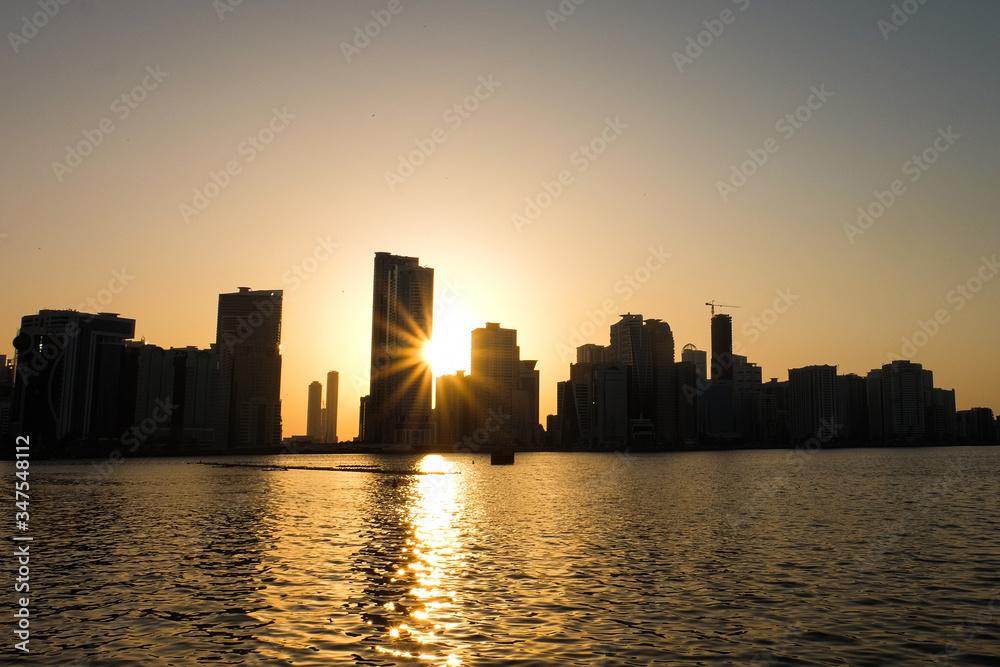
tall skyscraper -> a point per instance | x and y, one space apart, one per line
722 347
398 410
248 338
647 348
896 401
332 396
496 370
68 372
813 401
314 411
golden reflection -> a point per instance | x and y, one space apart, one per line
435 548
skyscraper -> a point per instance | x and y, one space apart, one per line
496 369
647 347
68 372
722 347
398 410
314 412
332 396
813 400
248 338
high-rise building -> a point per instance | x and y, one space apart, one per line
722 347
590 353
454 411
248 338
852 408
813 400
314 411
647 348
399 405
896 401
68 372
496 372
697 357
332 397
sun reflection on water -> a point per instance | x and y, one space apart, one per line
435 548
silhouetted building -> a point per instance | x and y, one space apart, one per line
68 371
185 379
896 402
590 353
813 393
776 412
747 416
6 393
455 411
722 347
852 408
314 411
399 407
976 425
940 418
330 413
248 338
610 405
505 384
647 348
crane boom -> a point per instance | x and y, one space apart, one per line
713 304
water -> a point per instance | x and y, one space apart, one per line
847 557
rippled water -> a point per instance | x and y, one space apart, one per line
848 557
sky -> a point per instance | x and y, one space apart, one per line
830 168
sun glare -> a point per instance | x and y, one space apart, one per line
450 347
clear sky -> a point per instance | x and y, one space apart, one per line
194 147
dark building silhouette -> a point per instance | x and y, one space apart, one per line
455 411
976 425
6 393
813 394
248 338
171 394
896 402
722 347
852 408
398 409
314 411
330 412
506 384
68 371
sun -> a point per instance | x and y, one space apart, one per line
449 349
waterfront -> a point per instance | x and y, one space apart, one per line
843 557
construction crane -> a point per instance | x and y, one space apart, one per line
713 304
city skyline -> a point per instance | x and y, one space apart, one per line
672 401
835 188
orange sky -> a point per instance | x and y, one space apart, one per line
553 173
